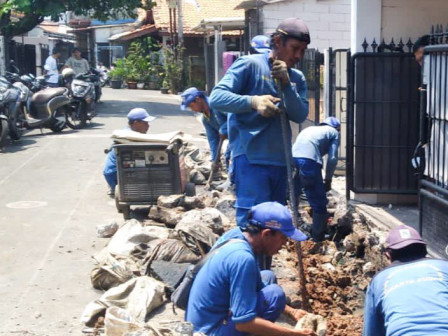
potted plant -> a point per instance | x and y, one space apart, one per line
165 86
132 79
117 75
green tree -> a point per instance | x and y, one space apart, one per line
32 12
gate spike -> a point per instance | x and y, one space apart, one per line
401 45
392 44
409 44
374 45
365 45
432 35
446 34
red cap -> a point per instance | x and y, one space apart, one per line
402 236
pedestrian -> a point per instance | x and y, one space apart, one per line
410 297
138 121
229 295
248 91
260 44
51 68
215 122
418 47
308 151
77 63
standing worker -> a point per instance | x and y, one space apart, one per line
311 145
260 44
248 91
410 297
138 121
215 122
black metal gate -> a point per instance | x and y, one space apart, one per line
433 192
24 55
382 121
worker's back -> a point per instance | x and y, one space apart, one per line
314 142
410 298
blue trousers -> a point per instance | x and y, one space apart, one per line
255 184
309 177
271 303
110 170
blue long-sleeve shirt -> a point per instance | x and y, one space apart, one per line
257 137
214 125
314 143
408 299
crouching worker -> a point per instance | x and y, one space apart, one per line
229 295
311 145
410 297
138 121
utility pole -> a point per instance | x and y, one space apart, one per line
180 17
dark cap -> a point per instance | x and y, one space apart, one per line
296 28
422 41
402 236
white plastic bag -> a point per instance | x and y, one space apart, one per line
119 322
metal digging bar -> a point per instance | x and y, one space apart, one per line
292 195
215 165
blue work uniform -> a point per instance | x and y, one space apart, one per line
230 289
214 125
110 169
257 146
408 299
311 145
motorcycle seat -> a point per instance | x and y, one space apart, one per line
45 95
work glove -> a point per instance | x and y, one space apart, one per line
223 136
280 71
327 184
265 105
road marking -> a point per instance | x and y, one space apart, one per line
26 204
45 258
26 162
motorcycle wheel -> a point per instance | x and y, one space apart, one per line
15 124
76 115
58 123
3 132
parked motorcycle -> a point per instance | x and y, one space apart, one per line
45 108
4 98
82 98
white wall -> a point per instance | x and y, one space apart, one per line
411 18
102 34
328 20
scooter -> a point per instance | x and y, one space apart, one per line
4 98
82 98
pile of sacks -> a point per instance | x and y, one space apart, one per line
143 261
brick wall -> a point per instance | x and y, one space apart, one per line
328 20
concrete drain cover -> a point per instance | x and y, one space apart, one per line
26 204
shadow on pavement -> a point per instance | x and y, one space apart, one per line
18 145
117 108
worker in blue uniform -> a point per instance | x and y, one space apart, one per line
215 122
248 91
230 296
260 44
311 145
410 297
138 121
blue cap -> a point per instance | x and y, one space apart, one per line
275 216
188 96
261 44
332 121
140 114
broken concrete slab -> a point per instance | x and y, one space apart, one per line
166 215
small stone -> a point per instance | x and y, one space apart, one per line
37 315
329 267
369 268
171 201
390 206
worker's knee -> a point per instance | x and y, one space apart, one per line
271 302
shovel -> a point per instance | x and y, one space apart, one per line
215 164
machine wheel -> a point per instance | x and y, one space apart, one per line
3 133
190 189
76 115
15 124
58 123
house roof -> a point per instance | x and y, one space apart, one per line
129 35
53 29
250 4
194 11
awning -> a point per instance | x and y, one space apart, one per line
207 25
132 34
251 4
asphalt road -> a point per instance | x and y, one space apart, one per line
52 196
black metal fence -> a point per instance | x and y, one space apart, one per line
24 55
382 119
433 192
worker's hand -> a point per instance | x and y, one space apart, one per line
297 314
327 184
280 71
265 105
223 136
305 332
